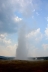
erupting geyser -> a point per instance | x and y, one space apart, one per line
21 52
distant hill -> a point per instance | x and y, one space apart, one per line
38 58
6 58
29 58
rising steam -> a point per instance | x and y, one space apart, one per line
21 52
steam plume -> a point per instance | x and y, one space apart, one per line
21 52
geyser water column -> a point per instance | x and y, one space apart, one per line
21 52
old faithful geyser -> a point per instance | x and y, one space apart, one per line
21 52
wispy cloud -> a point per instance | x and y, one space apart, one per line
35 34
46 32
7 48
7 13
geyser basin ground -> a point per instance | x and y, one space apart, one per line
23 66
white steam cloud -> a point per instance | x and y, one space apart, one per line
21 52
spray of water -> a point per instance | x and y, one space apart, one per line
21 52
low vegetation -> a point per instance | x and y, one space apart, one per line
23 66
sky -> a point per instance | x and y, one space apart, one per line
32 13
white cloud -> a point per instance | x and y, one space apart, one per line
46 32
45 49
8 11
45 46
34 38
26 7
17 19
4 40
35 51
2 36
7 48
36 34
33 33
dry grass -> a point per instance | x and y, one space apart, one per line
23 66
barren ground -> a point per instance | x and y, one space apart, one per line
23 66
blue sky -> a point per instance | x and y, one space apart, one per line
32 13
